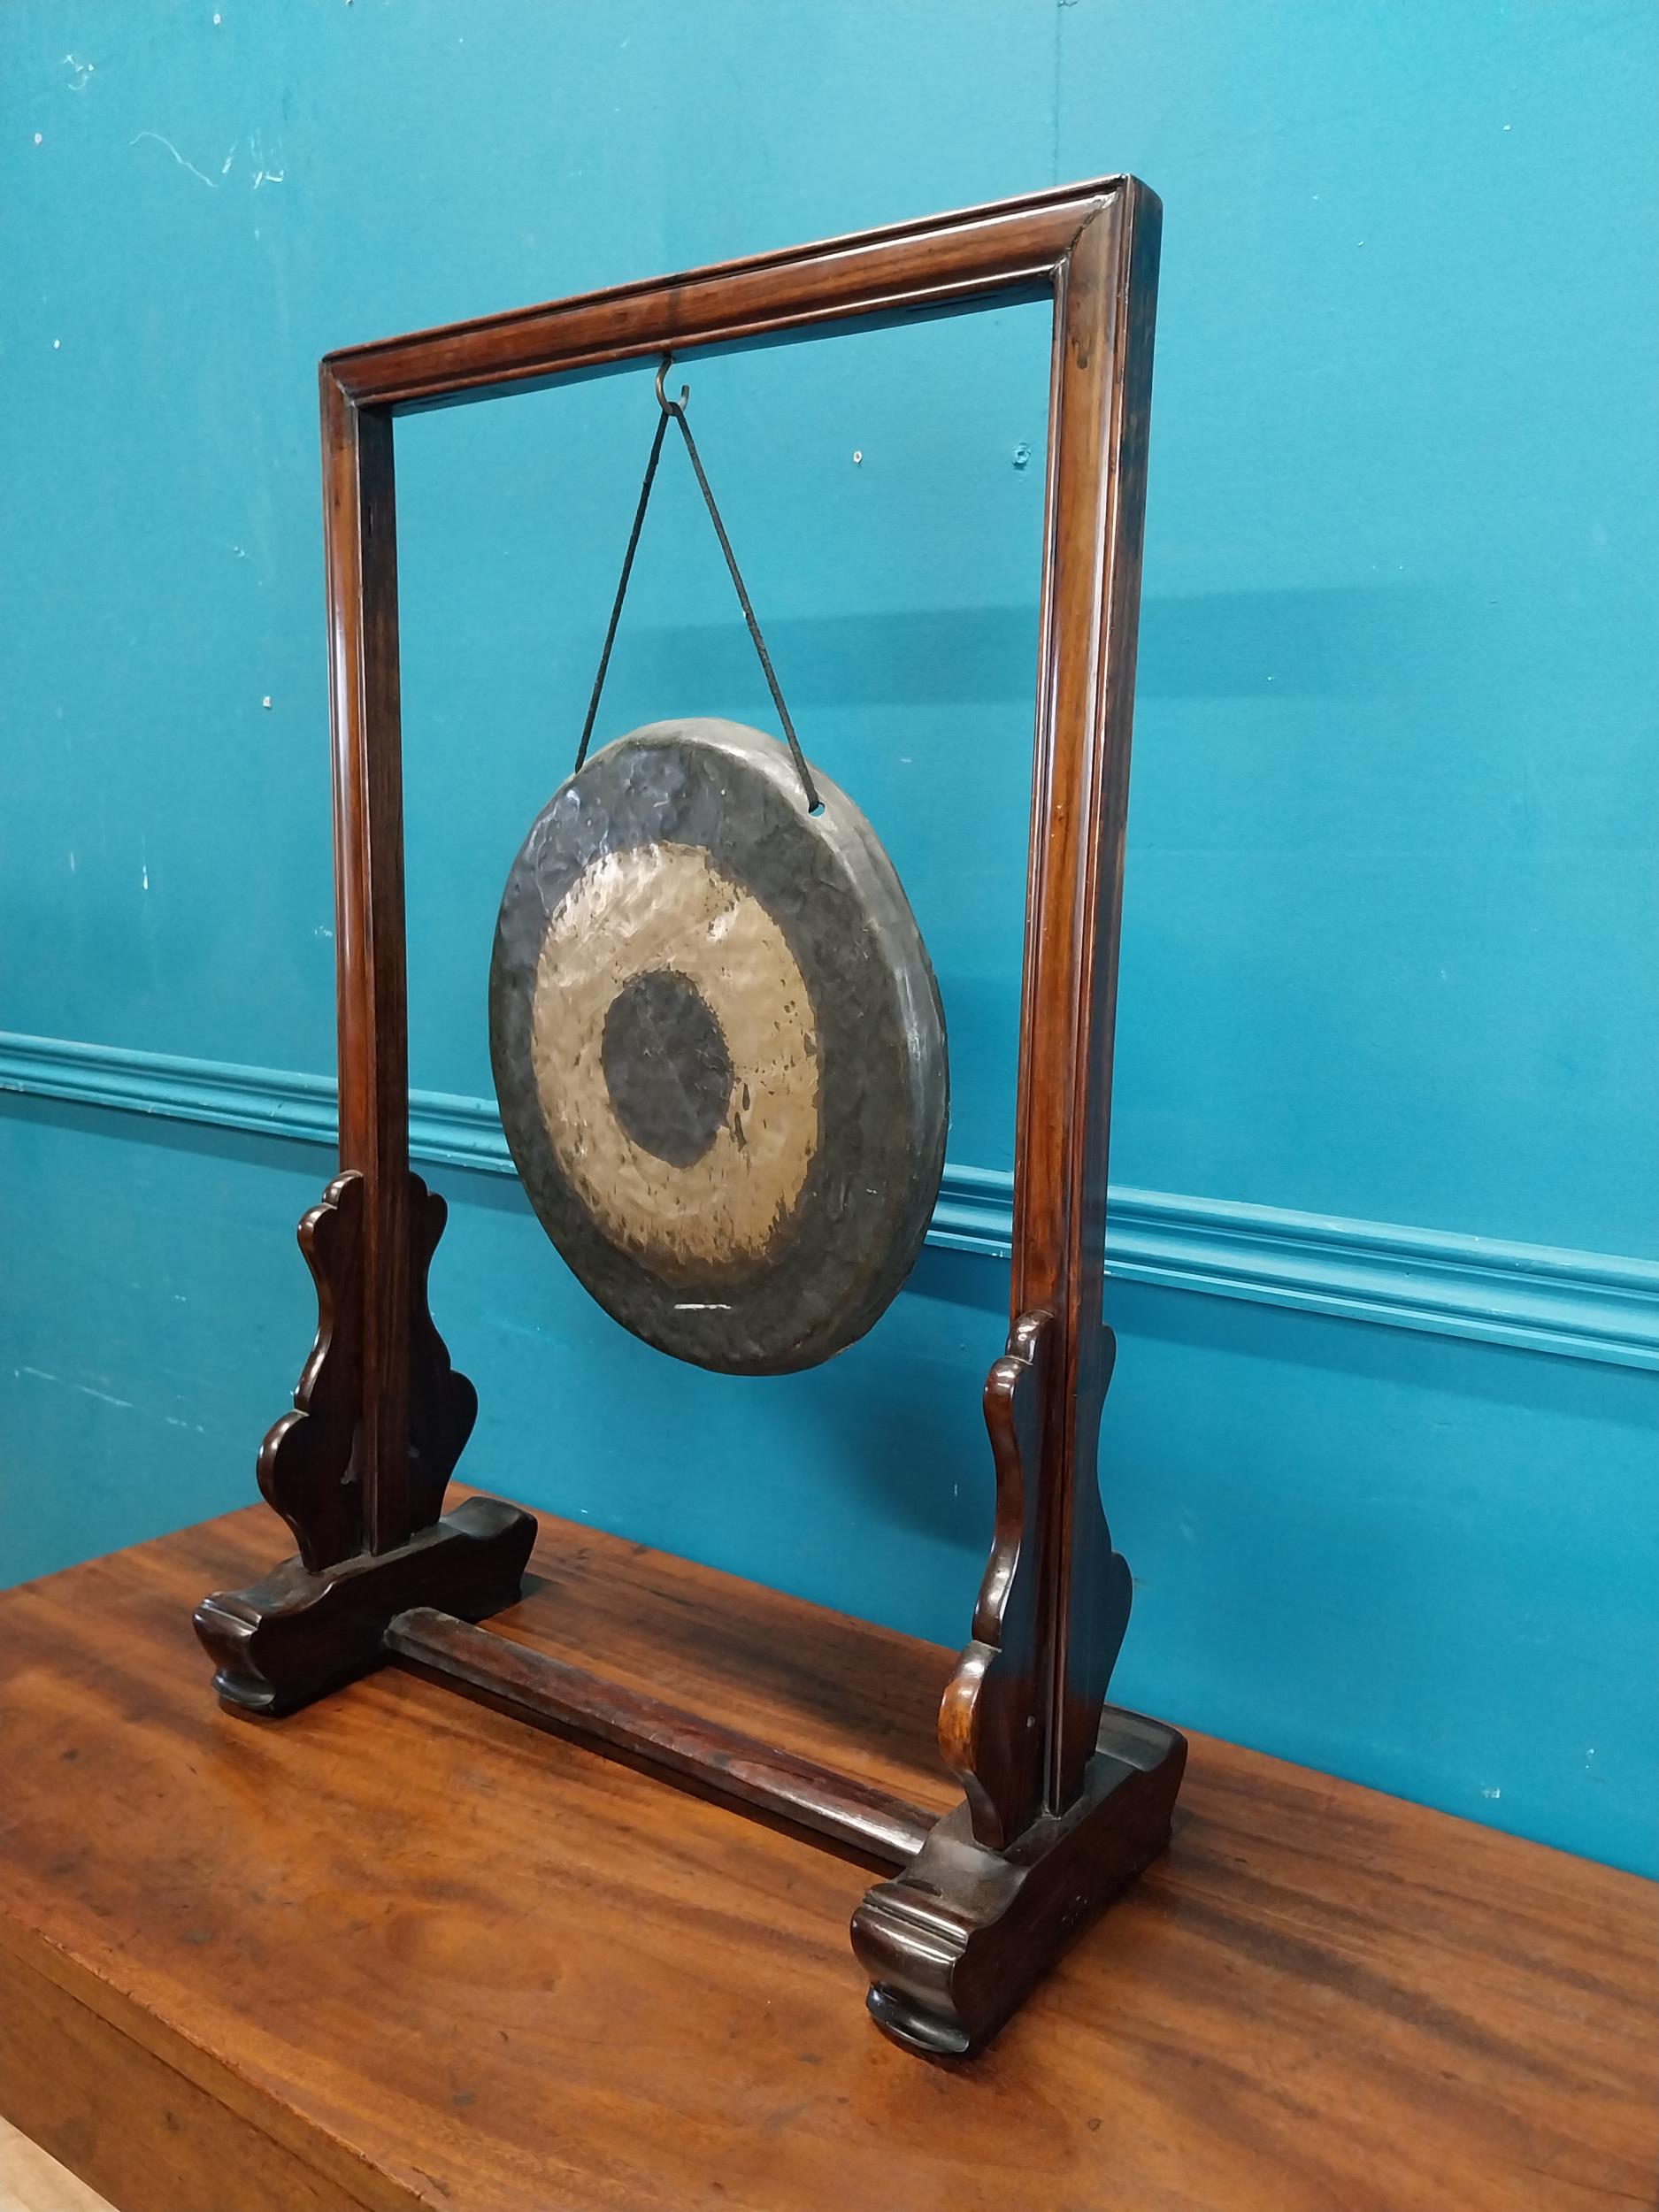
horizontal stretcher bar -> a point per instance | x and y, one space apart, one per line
716 1760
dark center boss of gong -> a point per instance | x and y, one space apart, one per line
666 1066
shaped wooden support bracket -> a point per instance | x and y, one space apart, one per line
321 1619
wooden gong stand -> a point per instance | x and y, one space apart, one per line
1064 1798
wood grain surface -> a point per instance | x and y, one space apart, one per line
401 1950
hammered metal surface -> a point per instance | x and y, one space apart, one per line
630 915
719 1050
666 1066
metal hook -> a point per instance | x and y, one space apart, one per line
668 406
677 408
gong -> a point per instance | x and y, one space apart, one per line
718 1049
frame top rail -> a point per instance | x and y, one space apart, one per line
907 268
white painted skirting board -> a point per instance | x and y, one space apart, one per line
1580 1305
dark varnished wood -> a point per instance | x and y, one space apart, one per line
294 1634
941 261
723 1762
961 1937
1021 1716
317 1620
360 550
308 1466
1054 1602
403 1951
990 1730
307 1463
442 1403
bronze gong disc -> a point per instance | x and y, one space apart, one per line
719 1050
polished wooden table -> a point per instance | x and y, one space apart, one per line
400 1951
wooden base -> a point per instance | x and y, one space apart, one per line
955 1943
298 1633
952 1943
960 1936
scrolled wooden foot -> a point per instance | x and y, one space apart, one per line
955 1943
300 1632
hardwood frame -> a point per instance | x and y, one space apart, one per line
1065 1798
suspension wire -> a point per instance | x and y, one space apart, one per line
622 586
676 410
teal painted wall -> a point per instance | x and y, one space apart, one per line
1391 914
